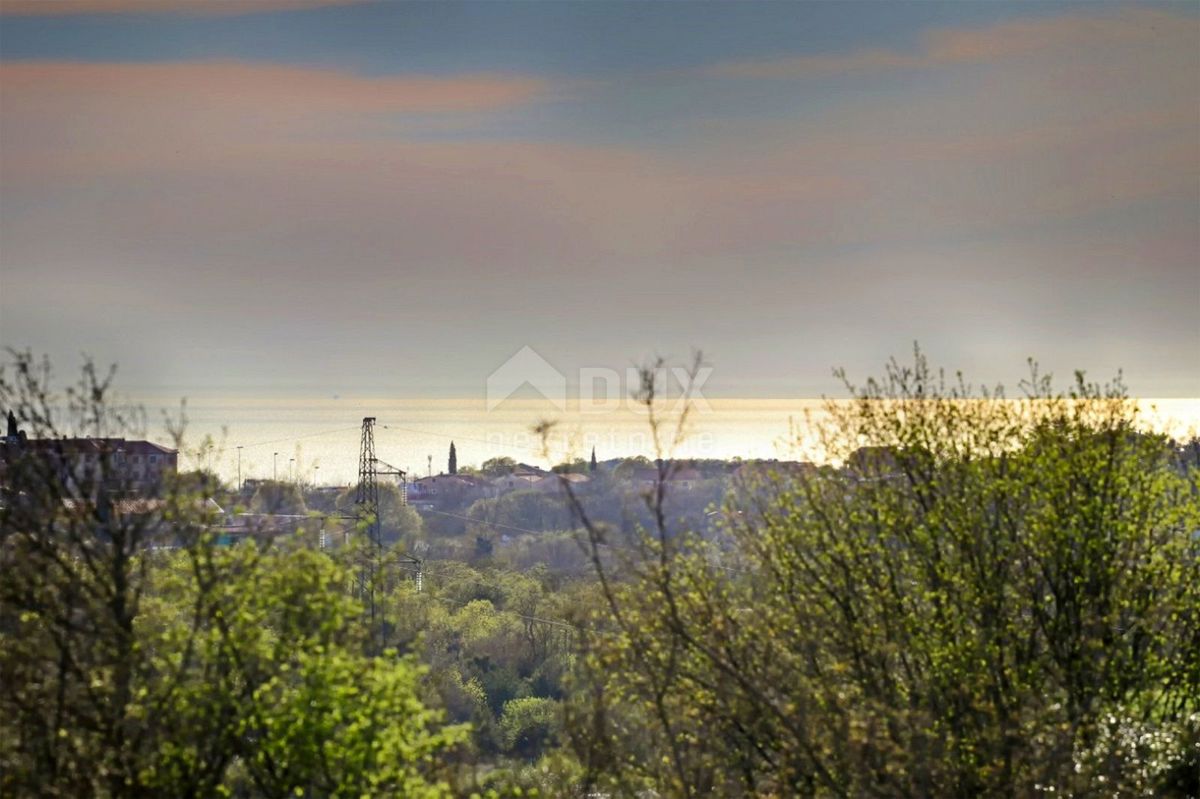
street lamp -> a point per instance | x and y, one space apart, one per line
275 467
292 469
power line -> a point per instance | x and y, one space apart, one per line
298 438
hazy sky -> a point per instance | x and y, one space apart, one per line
363 198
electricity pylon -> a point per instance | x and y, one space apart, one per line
366 502
366 498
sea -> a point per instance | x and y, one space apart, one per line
317 441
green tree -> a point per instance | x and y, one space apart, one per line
278 683
994 598
528 724
518 511
398 522
137 659
277 497
498 466
626 468
452 467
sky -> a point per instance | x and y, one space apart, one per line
310 198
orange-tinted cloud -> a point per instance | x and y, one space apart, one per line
196 151
62 8
63 117
298 90
1052 191
193 155
1017 39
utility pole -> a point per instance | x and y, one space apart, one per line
239 449
292 469
275 467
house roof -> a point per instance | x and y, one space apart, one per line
449 479
555 480
76 446
145 448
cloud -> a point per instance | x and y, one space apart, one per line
1104 118
288 89
1019 39
1022 124
328 205
70 117
401 165
62 8
194 158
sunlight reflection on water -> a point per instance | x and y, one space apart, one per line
319 438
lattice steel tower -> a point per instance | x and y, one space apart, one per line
372 575
366 499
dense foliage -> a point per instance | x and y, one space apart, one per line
995 598
977 596
132 668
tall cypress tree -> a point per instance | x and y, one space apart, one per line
453 460
592 465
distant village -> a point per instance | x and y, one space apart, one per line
137 470
460 513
